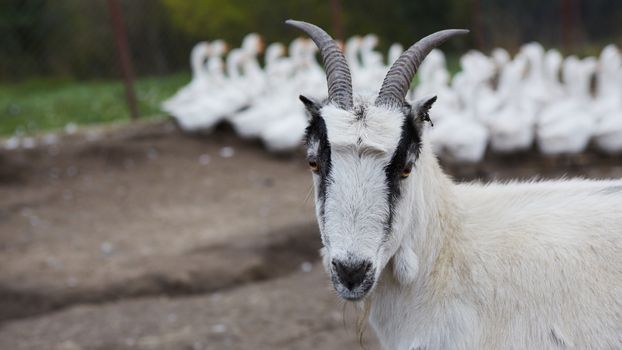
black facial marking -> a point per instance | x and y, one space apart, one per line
359 112
316 132
409 144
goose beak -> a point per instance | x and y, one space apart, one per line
261 45
340 44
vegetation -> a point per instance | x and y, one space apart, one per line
42 104
73 38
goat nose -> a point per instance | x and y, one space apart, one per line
351 274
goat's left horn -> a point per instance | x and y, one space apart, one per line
397 81
337 70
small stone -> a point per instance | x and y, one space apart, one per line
29 143
72 282
106 248
219 328
50 139
71 171
68 345
128 163
68 195
12 143
264 212
93 136
54 263
227 152
204 159
306 266
152 154
71 128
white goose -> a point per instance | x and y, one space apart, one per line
241 90
434 80
372 69
565 126
512 124
459 135
207 110
275 103
608 105
285 132
197 85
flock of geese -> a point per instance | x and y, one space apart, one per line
499 103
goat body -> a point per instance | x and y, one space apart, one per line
504 266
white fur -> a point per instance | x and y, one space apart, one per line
515 266
534 265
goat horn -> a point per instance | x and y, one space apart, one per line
397 81
337 70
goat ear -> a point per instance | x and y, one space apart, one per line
421 111
312 107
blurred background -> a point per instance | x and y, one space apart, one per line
152 190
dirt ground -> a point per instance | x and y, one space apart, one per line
143 238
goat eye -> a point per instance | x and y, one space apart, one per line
406 171
314 166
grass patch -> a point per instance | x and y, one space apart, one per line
45 104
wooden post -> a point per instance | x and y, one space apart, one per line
567 24
335 10
125 61
476 8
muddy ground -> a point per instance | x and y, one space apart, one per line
139 237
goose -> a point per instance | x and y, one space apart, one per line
535 86
239 90
552 63
215 65
277 66
202 113
198 83
372 69
395 51
565 126
511 125
459 137
473 85
434 80
286 135
608 132
276 103
608 80
608 105
310 77
351 51
500 57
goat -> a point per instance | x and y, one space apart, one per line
534 265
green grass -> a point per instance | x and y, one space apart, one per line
45 104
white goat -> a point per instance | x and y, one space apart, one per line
454 266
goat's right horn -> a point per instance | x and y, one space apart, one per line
397 81
337 70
